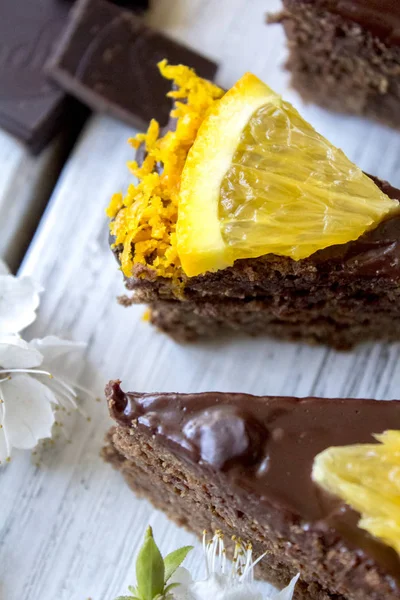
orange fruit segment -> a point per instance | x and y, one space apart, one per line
367 478
259 179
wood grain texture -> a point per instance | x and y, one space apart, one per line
26 183
69 530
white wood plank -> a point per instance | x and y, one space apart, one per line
26 184
70 529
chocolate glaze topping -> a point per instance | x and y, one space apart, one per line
380 17
375 254
265 447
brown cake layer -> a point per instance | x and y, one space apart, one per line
345 55
188 321
339 296
243 464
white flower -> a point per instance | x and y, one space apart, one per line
19 299
29 395
222 582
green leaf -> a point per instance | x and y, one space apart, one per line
149 569
173 560
125 598
132 590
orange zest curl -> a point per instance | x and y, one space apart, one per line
144 220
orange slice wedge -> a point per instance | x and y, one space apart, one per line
259 179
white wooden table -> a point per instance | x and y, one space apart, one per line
70 529
26 183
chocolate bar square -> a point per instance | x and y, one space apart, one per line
32 107
108 59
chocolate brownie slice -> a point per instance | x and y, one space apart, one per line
243 464
345 56
340 296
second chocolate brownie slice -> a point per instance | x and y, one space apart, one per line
345 56
293 476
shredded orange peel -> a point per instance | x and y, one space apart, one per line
144 220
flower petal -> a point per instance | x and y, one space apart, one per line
217 587
287 592
182 576
15 353
29 414
60 357
19 299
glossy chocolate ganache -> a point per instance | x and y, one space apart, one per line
265 447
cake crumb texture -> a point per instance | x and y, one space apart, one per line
340 65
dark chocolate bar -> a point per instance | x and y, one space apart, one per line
108 59
31 106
